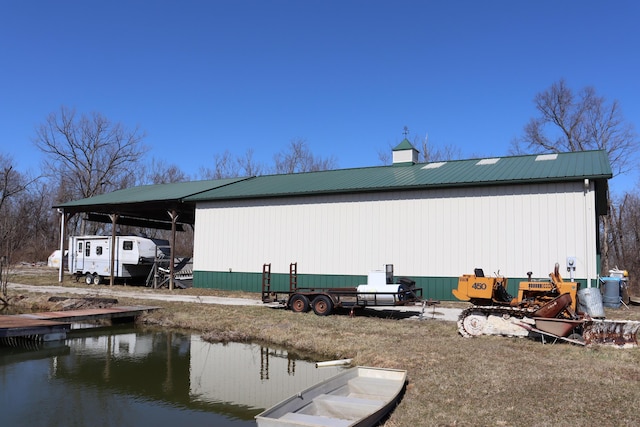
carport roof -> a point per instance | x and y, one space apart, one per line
150 202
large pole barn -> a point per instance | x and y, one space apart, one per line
432 221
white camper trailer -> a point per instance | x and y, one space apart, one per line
90 256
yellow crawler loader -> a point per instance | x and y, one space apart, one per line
481 290
541 309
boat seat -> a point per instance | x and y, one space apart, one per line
376 388
349 400
314 420
344 407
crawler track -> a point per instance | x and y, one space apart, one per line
468 327
618 333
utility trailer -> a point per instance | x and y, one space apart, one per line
380 290
90 256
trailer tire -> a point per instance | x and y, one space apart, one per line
97 279
322 305
88 279
299 303
403 293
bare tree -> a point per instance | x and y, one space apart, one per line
297 157
434 153
223 167
581 121
12 185
161 172
625 236
90 153
248 165
38 223
12 182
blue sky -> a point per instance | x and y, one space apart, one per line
202 77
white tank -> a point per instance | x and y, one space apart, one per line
379 294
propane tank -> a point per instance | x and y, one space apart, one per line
380 295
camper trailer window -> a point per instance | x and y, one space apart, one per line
80 247
98 250
127 245
87 249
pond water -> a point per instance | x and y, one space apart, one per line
130 376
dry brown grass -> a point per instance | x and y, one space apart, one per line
484 381
32 275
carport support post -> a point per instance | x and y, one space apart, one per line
174 218
64 217
114 219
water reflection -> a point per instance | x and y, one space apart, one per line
130 376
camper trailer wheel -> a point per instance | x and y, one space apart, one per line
97 279
88 279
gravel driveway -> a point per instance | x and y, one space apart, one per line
429 312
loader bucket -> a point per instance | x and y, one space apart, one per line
619 333
461 296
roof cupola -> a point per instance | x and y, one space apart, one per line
405 154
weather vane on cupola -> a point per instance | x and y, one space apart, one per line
405 132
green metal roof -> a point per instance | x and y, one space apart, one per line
148 201
460 173
404 145
156 192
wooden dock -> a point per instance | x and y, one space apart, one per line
54 325
41 330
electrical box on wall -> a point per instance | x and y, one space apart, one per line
571 266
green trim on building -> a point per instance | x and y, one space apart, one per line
252 282
436 288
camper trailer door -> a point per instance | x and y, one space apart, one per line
78 261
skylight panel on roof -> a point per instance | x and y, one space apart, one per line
543 157
488 161
434 165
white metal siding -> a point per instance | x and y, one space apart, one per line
445 232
